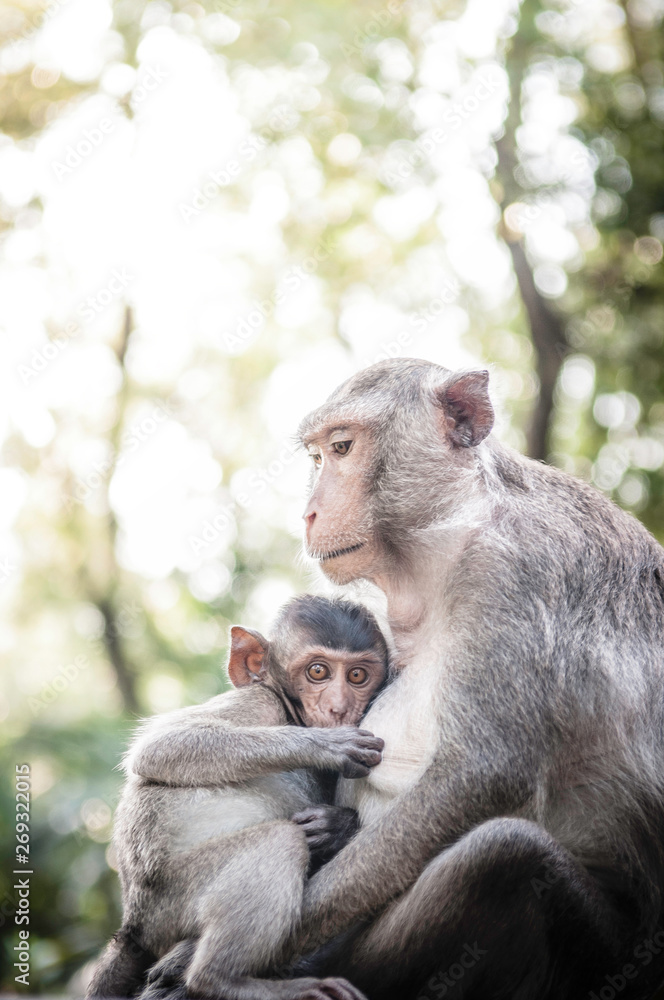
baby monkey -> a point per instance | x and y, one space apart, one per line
211 864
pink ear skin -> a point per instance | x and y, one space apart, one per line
465 400
247 661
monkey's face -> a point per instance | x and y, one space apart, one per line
393 452
339 529
333 686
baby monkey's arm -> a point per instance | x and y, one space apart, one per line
243 734
327 829
208 746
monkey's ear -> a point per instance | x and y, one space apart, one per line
247 661
467 407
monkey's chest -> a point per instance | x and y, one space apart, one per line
405 717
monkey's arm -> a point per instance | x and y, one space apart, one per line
208 746
387 856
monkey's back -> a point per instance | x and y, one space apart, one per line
574 630
554 633
155 821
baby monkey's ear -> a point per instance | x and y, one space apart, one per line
247 662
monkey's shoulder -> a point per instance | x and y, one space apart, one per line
254 705
548 504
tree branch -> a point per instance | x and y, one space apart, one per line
546 328
125 676
102 592
549 341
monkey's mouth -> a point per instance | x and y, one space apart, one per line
341 552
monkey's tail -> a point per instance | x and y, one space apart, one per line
120 972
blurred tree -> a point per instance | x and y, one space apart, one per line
611 311
394 146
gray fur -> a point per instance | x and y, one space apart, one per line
205 847
534 609
517 816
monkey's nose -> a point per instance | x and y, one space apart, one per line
309 522
338 714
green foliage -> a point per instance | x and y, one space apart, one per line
343 103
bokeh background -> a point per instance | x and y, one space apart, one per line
210 214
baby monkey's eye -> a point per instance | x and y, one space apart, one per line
357 675
342 447
317 459
318 672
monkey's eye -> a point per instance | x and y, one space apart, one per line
342 447
357 675
318 672
317 459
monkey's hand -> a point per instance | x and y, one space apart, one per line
351 751
327 829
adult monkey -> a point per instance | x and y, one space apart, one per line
513 831
512 839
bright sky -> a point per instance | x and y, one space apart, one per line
123 221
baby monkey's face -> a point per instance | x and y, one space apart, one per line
334 686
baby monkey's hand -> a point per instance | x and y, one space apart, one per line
327 829
351 751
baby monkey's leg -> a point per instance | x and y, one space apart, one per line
166 982
247 903
244 895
